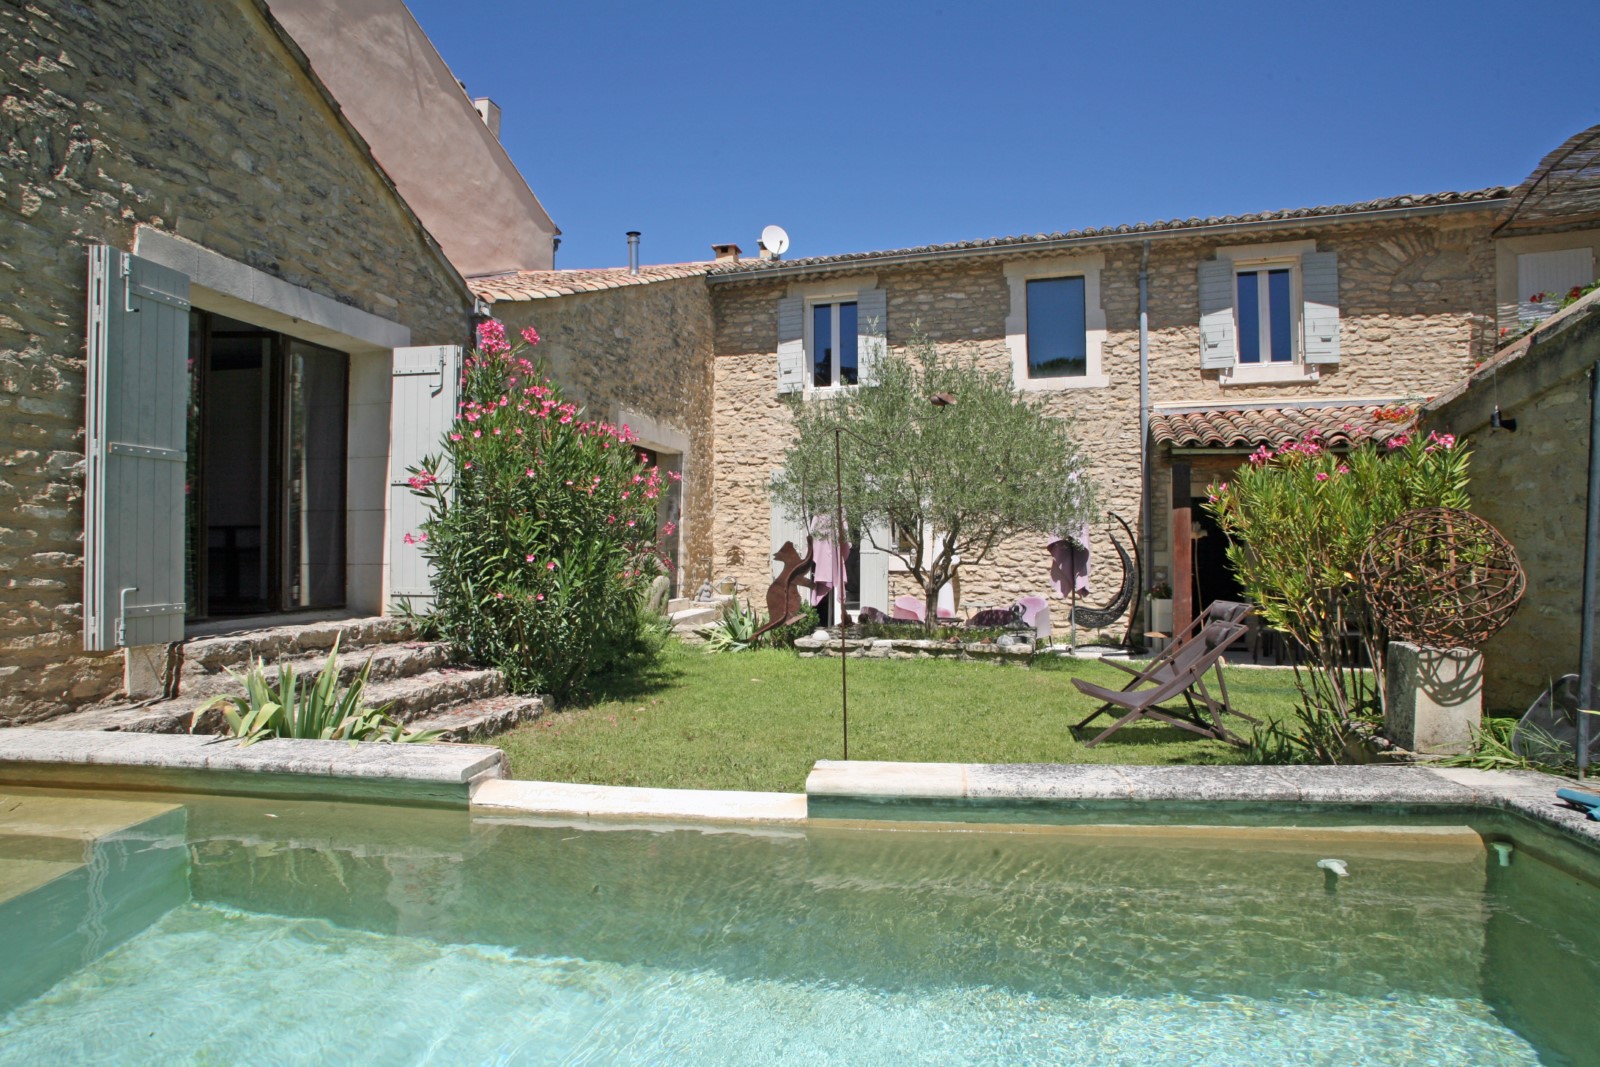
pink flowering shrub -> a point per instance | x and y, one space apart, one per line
541 528
1298 518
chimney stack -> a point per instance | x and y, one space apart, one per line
726 253
489 112
633 251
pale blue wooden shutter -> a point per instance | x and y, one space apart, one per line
875 566
1319 281
791 344
872 333
422 409
136 427
784 528
1218 345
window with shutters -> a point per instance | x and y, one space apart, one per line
1056 329
830 336
832 350
1269 313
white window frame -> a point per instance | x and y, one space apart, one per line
843 291
1266 257
1018 274
809 334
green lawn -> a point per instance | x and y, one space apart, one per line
758 720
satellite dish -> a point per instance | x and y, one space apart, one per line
775 240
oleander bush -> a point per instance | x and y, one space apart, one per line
541 528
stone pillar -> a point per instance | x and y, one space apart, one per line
1433 697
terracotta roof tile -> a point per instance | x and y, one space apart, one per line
543 284
1338 425
1488 197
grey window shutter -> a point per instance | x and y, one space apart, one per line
136 425
1319 282
872 333
784 529
791 344
1218 345
422 399
875 566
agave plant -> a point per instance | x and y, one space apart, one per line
305 707
734 632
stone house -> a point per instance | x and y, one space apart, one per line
1529 413
216 295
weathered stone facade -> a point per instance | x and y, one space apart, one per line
641 355
194 117
1417 309
1532 484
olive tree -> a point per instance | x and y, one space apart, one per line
939 458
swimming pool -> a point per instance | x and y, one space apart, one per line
231 930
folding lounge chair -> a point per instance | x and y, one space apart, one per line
1181 674
1216 611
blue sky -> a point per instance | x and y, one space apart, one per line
873 125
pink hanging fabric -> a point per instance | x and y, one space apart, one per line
1069 563
830 561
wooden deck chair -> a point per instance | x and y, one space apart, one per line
1216 611
1182 674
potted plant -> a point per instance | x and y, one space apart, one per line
1161 608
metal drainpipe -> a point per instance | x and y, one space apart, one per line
1591 578
1144 427
633 251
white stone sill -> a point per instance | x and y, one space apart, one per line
1267 373
1061 385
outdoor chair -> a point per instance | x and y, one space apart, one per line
1216 611
1036 613
1179 672
910 608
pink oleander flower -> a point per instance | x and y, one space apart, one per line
539 597
408 539
530 335
530 472
422 479
1443 440
550 566
528 558
1322 476
1398 441
669 528
492 337
1343 469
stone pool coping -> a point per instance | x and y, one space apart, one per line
462 776
435 775
853 787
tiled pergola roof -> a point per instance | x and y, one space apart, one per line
1564 187
1339 426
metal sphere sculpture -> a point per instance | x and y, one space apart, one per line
1442 577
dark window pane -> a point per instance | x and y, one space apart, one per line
1249 313
1281 316
822 345
847 344
1057 346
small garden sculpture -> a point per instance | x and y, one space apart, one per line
783 595
1442 578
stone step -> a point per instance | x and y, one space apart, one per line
480 719
388 661
408 698
695 617
214 655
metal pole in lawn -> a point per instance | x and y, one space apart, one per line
838 588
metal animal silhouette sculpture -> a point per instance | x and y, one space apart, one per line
783 595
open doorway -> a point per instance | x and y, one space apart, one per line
265 488
1214 577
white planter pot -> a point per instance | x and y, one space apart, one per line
1161 616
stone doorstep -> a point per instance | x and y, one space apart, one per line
480 719
215 654
410 698
388 661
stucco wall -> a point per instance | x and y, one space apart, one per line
640 354
1532 484
188 116
1417 308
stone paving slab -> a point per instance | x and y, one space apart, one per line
327 769
566 798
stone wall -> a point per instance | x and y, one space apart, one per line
640 354
190 116
1532 484
1417 309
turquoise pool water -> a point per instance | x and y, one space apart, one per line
324 933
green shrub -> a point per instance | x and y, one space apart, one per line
734 631
541 528
306 708
1298 520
